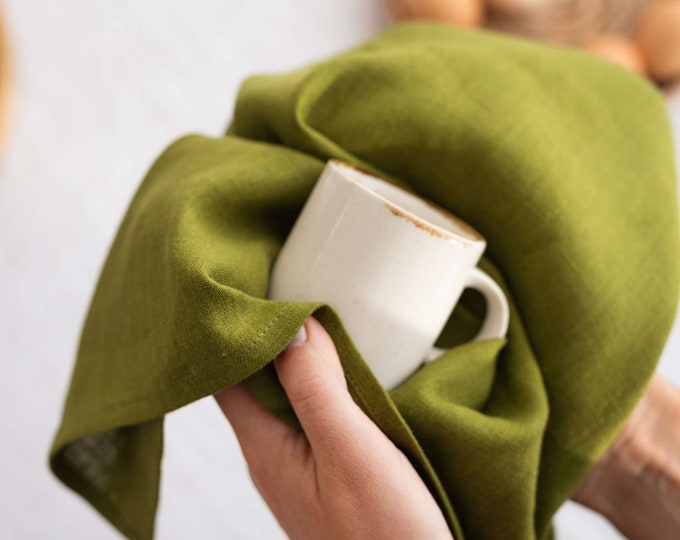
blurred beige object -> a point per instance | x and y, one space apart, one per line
672 94
659 37
459 12
569 22
619 50
5 71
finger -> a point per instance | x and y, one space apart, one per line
312 376
260 434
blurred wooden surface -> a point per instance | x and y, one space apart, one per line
5 78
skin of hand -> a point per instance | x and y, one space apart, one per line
636 484
340 478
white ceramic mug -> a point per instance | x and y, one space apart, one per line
392 265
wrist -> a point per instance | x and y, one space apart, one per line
636 484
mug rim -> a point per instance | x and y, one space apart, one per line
468 233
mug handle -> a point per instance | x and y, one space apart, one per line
495 323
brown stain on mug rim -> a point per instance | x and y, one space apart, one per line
462 225
469 233
435 230
417 222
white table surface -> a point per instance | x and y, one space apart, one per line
101 87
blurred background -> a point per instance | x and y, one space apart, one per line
97 90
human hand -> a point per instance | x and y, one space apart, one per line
636 484
341 477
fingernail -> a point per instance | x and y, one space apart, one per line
298 340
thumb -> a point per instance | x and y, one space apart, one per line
311 374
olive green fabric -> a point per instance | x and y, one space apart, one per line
563 162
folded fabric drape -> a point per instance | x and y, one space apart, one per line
565 165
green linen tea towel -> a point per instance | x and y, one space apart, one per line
564 163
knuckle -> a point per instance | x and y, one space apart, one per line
258 466
309 389
295 450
